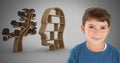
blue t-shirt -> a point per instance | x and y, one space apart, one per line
81 54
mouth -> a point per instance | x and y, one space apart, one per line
94 38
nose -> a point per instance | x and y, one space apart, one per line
96 31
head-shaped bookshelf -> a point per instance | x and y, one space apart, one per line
55 18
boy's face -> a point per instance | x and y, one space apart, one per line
95 31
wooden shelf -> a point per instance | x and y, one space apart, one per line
54 31
57 20
54 39
55 23
56 15
49 31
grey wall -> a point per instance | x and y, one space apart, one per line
73 10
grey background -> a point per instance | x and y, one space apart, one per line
34 52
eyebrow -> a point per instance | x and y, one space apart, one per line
95 25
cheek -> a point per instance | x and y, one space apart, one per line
103 34
88 32
106 33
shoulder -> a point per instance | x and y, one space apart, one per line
79 47
113 49
77 50
115 52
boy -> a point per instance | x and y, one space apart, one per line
96 26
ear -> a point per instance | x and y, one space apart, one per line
83 28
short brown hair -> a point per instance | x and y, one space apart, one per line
99 14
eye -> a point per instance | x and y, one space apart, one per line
91 27
103 28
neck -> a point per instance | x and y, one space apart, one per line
97 47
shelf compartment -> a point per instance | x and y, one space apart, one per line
51 35
55 27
